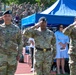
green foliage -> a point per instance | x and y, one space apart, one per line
5 1
38 1
45 2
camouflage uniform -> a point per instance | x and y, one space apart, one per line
10 47
71 32
43 39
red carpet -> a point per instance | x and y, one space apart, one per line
24 68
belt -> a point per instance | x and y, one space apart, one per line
43 49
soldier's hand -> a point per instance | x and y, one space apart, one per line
37 25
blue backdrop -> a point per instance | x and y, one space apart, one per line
62 7
52 20
61 12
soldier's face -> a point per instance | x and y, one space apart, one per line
7 18
43 24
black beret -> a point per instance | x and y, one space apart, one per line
7 12
42 19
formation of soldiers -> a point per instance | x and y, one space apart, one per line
25 9
11 46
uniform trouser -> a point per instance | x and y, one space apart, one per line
72 64
8 64
32 56
43 63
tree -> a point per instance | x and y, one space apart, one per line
5 2
46 3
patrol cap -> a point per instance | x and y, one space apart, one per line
42 19
7 12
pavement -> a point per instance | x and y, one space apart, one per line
24 68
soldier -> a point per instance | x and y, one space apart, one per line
44 44
71 32
10 45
